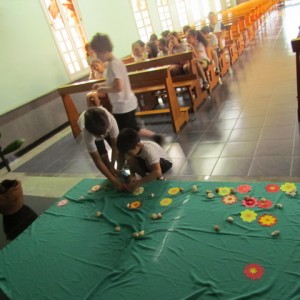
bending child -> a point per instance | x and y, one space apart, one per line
145 158
97 124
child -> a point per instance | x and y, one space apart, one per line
175 46
162 47
145 158
117 86
214 24
151 49
97 124
214 46
97 69
138 51
197 44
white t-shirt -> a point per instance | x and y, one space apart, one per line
124 101
152 153
180 49
213 40
200 48
89 139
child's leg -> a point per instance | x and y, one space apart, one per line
202 75
165 165
137 165
216 61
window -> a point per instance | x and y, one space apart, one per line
218 5
228 3
181 11
164 15
68 33
142 19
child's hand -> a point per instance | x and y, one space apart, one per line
133 186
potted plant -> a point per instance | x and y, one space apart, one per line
15 145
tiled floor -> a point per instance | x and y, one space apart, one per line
247 131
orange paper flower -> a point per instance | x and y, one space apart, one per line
267 220
244 188
272 188
134 204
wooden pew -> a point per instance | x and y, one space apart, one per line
191 81
150 80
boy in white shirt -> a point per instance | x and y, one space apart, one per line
97 124
145 158
117 86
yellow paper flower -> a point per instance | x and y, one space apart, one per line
174 191
138 191
288 187
248 215
166 201
223 191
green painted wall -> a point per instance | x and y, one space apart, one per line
29 60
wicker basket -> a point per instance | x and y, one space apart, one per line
11 196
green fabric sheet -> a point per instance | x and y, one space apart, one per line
71 253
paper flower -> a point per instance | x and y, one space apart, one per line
230 199
96 188
264 203
223 191
166 201
249 202
272 188
134 204
244 188
288 187
138 191
62 202
248 215
174 191
254 271
267 220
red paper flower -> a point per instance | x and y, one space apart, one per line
272 188
244 188
254 271
249 202
264 203
267 220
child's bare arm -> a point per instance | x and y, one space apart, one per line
103 88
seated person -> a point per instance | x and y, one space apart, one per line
165 34
197 44
97 69
162 47
139 51
97 124
154 38
214 46
214 24
145 158
176 46
151 50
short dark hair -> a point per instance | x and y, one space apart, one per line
205 29
101 43
127 140
165 33
96 121
186 28
153 37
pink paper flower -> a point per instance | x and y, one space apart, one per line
249 202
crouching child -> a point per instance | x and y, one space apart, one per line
145 158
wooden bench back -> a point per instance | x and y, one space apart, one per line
160 61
